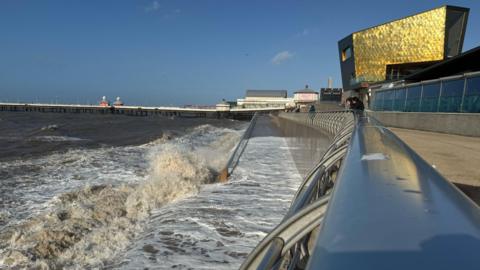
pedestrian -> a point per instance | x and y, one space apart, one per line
357 104
311 112
348 103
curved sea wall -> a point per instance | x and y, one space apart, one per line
310 134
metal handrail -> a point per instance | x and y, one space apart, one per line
309 185
328 122
315 182
241 145
270 250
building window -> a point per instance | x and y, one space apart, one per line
471 103
346 53
388 99
399 103
378 100
430 97
413 98
453 95
451 99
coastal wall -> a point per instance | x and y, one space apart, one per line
309 135
306 144
466 124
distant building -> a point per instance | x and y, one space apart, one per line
223 106
104 102
396 49
265 94
331 94
265 98
118 102
305 96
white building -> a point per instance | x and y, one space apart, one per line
266 98
118 102
222 106
305 96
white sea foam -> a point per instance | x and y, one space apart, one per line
56 139
49 127
85 226
219 226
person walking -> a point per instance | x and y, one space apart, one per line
357 104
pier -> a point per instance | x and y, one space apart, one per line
210 112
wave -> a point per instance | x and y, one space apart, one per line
87 227
49 127
56 139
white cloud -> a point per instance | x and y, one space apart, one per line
305 32
282 57
172 13
154 6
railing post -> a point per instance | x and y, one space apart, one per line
463 94
421 99
439 96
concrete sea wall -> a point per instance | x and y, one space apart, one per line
309 135
466 124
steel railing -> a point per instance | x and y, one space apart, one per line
328 122
241 145
285 243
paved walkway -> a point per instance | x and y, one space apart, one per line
455 157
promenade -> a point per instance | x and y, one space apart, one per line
455 157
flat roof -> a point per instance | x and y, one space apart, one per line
266 93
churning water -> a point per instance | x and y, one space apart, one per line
72 198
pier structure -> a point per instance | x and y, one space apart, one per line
209 112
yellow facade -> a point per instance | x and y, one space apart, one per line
418 38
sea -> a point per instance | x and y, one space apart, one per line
92 191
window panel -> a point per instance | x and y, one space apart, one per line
346 53
388 100
400 95
451 98
413 98
429 98
430 95
471 101
379 95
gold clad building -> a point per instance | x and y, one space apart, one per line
399 48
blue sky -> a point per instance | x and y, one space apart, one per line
182 52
